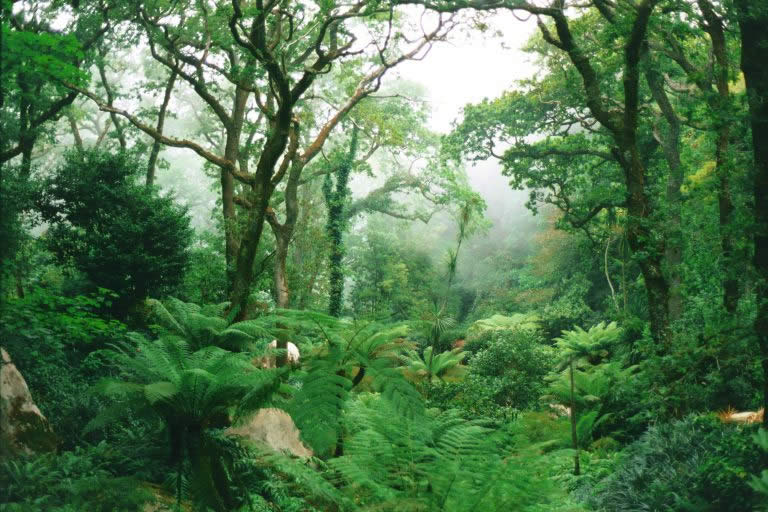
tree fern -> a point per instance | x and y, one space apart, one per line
193 393
318 406
437 367
351 351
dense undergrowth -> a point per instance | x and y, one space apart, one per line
140 417
593 340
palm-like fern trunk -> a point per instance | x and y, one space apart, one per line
574 433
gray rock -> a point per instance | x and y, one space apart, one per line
24 430
275 429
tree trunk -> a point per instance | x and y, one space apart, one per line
284 232
574 433
232 154
753 20
102 67
670 143
261 192
159 127
282 291
642 239
721 105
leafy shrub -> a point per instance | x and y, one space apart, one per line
205 279
16 193
504 377
194 394
51 339
513 366
501 322
759 482
122 235
68 482
694 464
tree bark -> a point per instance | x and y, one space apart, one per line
670 143
574 433
721 105
234 130
75 131
282 290
640 235
152 164
261 192
753 20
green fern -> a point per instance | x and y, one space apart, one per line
351 352
434 368
194 393
429 462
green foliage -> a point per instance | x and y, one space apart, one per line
122 235
393 279
513 366
74 480
370 351
205 279
691 464
430 462
759 483
16 193
52 340
205 326
501 322
440 367
41 56
579 344
194 394
336 201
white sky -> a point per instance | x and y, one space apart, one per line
471 67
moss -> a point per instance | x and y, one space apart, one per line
32 430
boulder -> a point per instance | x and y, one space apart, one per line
269 361
275 429
24 430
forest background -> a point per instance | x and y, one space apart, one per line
522 248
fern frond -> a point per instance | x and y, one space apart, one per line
317 407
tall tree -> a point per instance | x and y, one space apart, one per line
712 77
35 57
298 159
621 120
753 18
336 198
252 66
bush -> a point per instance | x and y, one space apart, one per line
694 464
505 376
513 366
51 340
122 235
68 482
16 193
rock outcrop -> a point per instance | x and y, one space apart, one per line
275 429
292 353
23 428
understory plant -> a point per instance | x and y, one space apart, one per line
195 395
432 461
694 464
